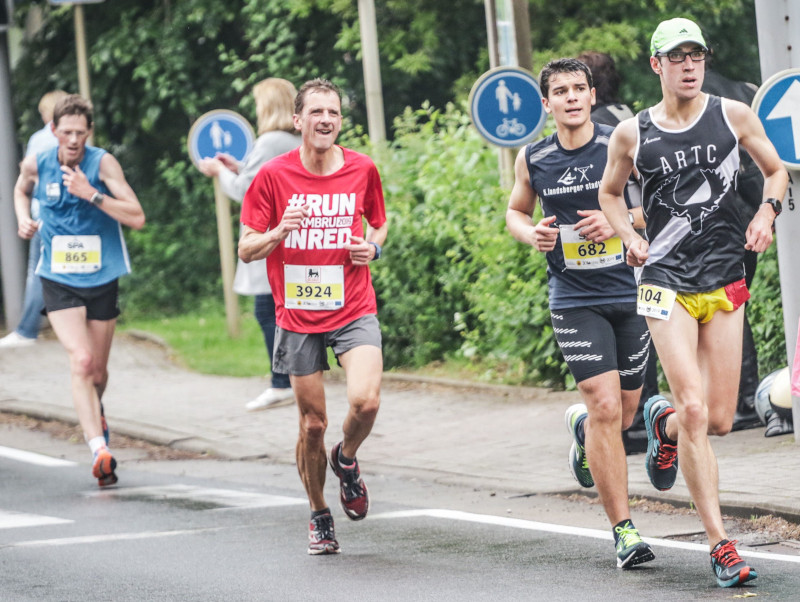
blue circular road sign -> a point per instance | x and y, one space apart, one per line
777 104
220 131
506 106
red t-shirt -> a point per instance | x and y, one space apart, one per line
315 285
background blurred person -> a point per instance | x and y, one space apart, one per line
276 135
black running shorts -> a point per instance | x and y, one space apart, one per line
601 338
101 302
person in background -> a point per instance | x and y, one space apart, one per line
84 200
27 331
610 111
276 135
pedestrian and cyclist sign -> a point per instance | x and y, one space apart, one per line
777 104
220 131
506 106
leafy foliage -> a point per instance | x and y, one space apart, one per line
453 283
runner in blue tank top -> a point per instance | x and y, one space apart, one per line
592 291
84 200
692 290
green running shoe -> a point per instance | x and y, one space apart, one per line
631 550
578 464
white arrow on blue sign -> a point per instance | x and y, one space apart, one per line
220 131
777 104
506 106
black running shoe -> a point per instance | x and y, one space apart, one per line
662 458
631 549
728 566
321 537
353 494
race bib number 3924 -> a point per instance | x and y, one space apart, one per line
313 287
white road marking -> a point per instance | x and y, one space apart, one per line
224 498
13 520
91 539
32 458
529 525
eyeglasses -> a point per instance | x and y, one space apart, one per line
676 56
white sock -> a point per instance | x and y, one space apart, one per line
96 444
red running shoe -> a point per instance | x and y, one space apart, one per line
103 467
353 493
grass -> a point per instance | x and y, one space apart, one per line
200 340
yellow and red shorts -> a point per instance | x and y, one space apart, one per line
703 306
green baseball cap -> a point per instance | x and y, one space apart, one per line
675 32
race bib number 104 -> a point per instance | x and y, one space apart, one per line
317 287
655 301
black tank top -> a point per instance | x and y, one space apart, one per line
567 181
688 182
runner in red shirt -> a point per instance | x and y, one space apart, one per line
303 212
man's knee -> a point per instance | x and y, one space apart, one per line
82 363
720 425
365 406
693 416
606 409
313 425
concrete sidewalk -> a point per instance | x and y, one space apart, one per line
508 437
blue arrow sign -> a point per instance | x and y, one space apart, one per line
220 131
777 104
506 106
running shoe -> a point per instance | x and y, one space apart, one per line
728 566
662 458
321 537
578 464
103 422
353 494
631 550
103 468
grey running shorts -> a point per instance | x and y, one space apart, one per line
302 354
600 338
101 302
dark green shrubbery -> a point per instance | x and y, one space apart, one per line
453 284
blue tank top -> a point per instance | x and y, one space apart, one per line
688 181
82 246
566 181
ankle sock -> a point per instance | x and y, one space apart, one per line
96 444
316 513
344 460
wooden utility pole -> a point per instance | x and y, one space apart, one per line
370 59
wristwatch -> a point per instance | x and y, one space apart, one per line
631 218
97 198
777 207
378 250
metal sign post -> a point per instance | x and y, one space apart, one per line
778 24
215 132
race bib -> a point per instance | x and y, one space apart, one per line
583 254
655 301
317 287
76 254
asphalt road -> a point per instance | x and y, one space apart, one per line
217 530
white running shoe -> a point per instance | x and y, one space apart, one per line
271 398
15 340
